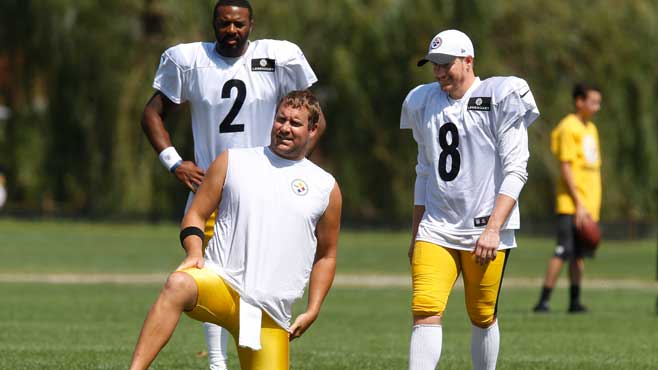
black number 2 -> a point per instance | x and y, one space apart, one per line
449 150
226 125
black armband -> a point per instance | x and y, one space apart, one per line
191 230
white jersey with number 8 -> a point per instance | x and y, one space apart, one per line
465 149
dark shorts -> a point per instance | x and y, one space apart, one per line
568 246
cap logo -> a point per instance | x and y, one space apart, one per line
299 187
436 42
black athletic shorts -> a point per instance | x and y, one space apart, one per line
568 246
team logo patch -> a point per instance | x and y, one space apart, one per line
262 65
590 152
436 42
480 221
299 187
479 103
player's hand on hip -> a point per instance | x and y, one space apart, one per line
189 174
486 247
191 261
301 324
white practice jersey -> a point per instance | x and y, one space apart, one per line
466 148
232 100
264 238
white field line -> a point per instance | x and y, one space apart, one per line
342 280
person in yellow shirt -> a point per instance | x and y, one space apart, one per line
575 144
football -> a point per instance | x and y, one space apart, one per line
589 234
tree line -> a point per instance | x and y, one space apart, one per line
76 75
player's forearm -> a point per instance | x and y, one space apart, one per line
322 276
153 127
502 209
514 154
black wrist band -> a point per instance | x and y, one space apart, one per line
191 230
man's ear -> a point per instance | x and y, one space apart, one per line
313 130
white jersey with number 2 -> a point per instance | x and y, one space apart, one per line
466 147
232 100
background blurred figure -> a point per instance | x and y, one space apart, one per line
3 189
575 144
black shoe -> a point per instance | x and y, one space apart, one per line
541 307
577 308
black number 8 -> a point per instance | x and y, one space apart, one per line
449 150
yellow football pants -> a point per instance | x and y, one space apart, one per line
218 303
434 271
209 228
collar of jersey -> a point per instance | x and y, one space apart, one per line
228 60
277 158
467 94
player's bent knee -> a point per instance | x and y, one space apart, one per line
482 319
180 280
181 286
423 305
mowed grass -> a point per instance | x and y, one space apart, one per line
80 326
73 247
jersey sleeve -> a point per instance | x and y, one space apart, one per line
514 113
294 71
517 103
409 119
513 153
566 149
170 77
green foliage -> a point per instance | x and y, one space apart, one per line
82 72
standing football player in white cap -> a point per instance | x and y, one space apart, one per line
472 158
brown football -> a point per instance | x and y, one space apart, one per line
589 233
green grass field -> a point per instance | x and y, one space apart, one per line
94 326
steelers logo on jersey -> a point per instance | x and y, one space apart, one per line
299 187
436 42
590 151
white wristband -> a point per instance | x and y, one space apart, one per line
170 158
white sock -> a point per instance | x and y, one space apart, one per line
216 340
425 347
484 347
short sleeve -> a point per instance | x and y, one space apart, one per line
408 120
169 79
294 71
518 103
405 116
566 147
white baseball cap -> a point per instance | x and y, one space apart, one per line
446 46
